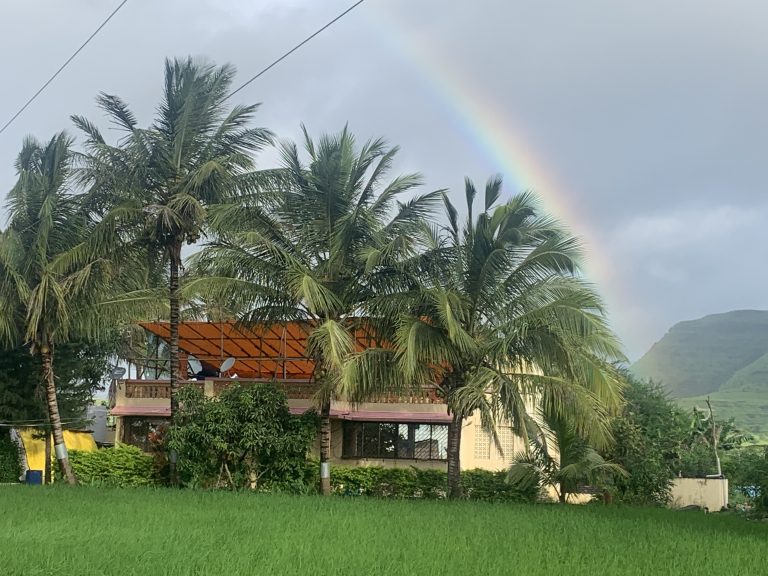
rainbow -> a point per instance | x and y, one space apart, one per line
491 128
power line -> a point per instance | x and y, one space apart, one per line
292 50
40 424
55 74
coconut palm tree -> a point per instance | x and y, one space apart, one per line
153 187
496 313
563 460
44 300
310 257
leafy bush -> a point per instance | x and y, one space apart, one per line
244 438
747 473
697 461
428 484
120 466
10 467
493 487
648 435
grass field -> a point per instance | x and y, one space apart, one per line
89 531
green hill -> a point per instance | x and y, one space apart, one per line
751 378
723 356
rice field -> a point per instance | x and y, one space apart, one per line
87 531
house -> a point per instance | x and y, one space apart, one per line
394 430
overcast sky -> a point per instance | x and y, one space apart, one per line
647 119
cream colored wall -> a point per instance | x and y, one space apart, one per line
478 450
709 493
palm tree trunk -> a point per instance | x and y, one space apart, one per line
325 448
53 415
454 457
47 472
174 298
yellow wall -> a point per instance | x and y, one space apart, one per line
478 449
34 448
709 493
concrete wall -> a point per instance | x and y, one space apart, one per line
477 447
709 493
479 450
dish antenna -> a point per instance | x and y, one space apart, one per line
226 366
117 373
195 365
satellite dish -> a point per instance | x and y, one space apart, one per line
195 365
227 365
117 373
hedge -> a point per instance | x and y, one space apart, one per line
429 484
120 466
128 466
10 466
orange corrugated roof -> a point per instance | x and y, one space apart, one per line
277 351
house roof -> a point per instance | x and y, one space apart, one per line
276 351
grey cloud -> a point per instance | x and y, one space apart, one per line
645 111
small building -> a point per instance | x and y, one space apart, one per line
98 423
393 430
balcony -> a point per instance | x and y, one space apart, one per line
133 392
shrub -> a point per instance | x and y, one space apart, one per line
428 484
648 434
747 472
10 467
697 461
493 487
120 466
245 438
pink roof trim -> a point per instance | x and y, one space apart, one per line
357 415
141 411
376 416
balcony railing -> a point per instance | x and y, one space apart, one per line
153 388
147 389
294 390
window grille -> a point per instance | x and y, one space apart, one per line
507 441
392 440
482 444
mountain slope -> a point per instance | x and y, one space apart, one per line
723 357
751 378
698 357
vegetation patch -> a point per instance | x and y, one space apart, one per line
121 466
412 482
164 531
10 468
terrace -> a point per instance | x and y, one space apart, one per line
276 355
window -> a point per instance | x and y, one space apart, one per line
395 440
482 444
486 448
140 431
507 441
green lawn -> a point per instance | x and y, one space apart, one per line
88 531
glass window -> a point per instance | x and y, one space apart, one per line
142 432
395 440
370 440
